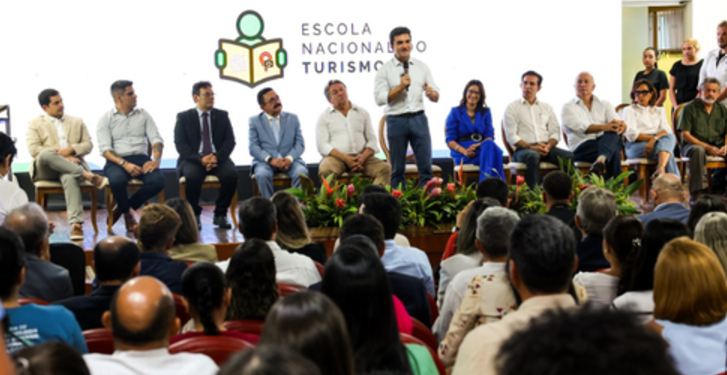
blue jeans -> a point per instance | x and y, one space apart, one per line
532 159
402 130
119 180
666 143
264 174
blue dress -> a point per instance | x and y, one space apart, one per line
489 155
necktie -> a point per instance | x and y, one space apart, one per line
276 129
206 142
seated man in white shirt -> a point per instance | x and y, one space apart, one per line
405 260
346 138
593 129
258 220
142 318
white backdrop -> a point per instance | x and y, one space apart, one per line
81 47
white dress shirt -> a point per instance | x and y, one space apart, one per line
644 120
532 123
201 130
58 123
710 68
577 118
350 134
389 76
151 362
639 303
11 197
127 134
598 288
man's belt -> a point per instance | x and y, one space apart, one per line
410 114
472 137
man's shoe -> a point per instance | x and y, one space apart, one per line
221 221
99 181
76 232
199 222
130 222
598 168
116 215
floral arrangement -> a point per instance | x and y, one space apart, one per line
332 203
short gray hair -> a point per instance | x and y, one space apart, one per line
327 90
596 207
494 226
710 231
710 80
31 224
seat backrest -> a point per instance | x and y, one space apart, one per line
434 311
406 339
504 139
420 331
218 348
675 119
286 289
382 138
621 107
100 340
181 310
28 301
254 327
71 257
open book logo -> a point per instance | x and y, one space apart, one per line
251 59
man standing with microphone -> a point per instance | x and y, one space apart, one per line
400 84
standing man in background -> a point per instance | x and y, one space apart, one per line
715 64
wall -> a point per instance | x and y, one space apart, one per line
706 15
634 38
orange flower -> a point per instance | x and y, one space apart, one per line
450 187
328 187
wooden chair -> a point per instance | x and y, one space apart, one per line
135 184
218 348
407 339
36 301
681 163
583 166
420 331
210 182
44 188
280 179
100 340
518 169
181 309
411 171
254 327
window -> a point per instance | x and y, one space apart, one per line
666 28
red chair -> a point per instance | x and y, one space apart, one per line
182 313
254 327
603 270
319 267
28 301
406 339
420 331
433 309
218 348
99 340
287 289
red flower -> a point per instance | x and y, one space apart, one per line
584 187
396 193
520 180
450 187
340 203
350 189
435 193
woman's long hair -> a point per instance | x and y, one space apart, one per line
188 232
204 287
292 231
481 104
251 276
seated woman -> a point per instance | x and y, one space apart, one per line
470 135
649 134
710 231
251 277
207 297
636 287
690 306
621 243
293 234
187 247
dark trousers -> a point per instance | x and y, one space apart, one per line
402 130
195 174
609 144
119 180
532 159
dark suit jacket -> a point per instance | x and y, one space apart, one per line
187 135
89 309
45 280
164 268
667 211
590 254
566 215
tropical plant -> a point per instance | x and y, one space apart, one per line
332 203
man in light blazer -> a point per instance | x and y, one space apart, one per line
276 143
204 140
58 143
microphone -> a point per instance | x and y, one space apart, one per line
406 71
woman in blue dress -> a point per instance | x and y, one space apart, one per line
470 135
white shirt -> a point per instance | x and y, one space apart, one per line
152 362
201 130
350 134
60 129
11 196
532 123
644 120
291 268
455 293
710 68
389 76
450 267
577 118
598 288
695 349
640 303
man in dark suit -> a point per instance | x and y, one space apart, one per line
557 196
116 260
669 197
205 140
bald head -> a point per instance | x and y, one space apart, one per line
116 259
585 85
668 189
31 224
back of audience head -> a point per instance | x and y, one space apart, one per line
689 284
292 230
356 281
596 206
31 224
207 296
157 227
251 278
312 325
142 315
364 225
702 206
50 358
7 152
711 231
269 360
188 232
372 189
12 263
557 187
543 253
622 240
668 188
494 226
638 274
116 259
386 209
258 219
465 243
590 341
493 187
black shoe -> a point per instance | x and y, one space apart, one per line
598 168
199 222
221 221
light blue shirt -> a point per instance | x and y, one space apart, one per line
38 324
408 261
201 131
695 349
127 134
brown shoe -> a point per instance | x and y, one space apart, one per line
98 181
116 215
130 222
77 232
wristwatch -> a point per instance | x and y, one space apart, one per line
122 163
158 160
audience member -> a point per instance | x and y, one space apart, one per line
116 260
50 358
480 295
466 225
494 188
11 195
251 277
596 206
636 285
542 258
399 239
269 360
557 196
142 319
690 305
187 247
30 324
406 260
621 244
702 206
157 227
685 74
669 198
591 341
313 326
293 234
43 279
206 297
653 75
711 231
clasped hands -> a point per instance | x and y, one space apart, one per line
616 126
209 162
134 170
355 163
715 151
543 149
281 163
471 151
